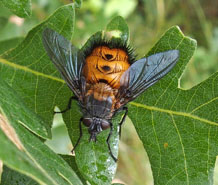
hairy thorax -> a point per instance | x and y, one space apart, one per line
106 65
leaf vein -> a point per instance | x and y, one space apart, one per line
190 101
35 95
208 151
26 46
158 143
200 106
183 150
174 113
26 69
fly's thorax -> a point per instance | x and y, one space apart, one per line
106 65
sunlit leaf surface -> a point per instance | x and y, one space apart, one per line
178 127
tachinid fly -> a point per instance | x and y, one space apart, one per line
104 77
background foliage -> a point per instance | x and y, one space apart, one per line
147 20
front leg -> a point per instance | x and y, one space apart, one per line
69 104
80 135
108 142
123 119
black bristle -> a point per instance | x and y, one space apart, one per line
96 41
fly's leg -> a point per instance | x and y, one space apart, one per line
69 104
80 134
108 142
123 119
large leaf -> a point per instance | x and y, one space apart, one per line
24 152
22 8
178 127
31 74
29 71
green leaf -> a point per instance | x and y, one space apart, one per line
78 3
93 159
178 127
32 75
10 43
12 177
12 105
21 8
167 134
3 22
28 70
118 28
72 162
23 151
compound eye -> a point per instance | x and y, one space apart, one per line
105 125
87 122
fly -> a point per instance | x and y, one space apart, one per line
104 78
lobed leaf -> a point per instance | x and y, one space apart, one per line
34 78
28 70
178 127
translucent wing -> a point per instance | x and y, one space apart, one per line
66 58
144 73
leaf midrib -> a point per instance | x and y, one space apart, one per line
26 69
171 112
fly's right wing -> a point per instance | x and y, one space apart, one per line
65 57
144 73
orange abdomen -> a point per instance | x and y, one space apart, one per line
105 65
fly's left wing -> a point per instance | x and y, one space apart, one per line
144 73
65 57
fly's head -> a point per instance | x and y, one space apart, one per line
95 125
